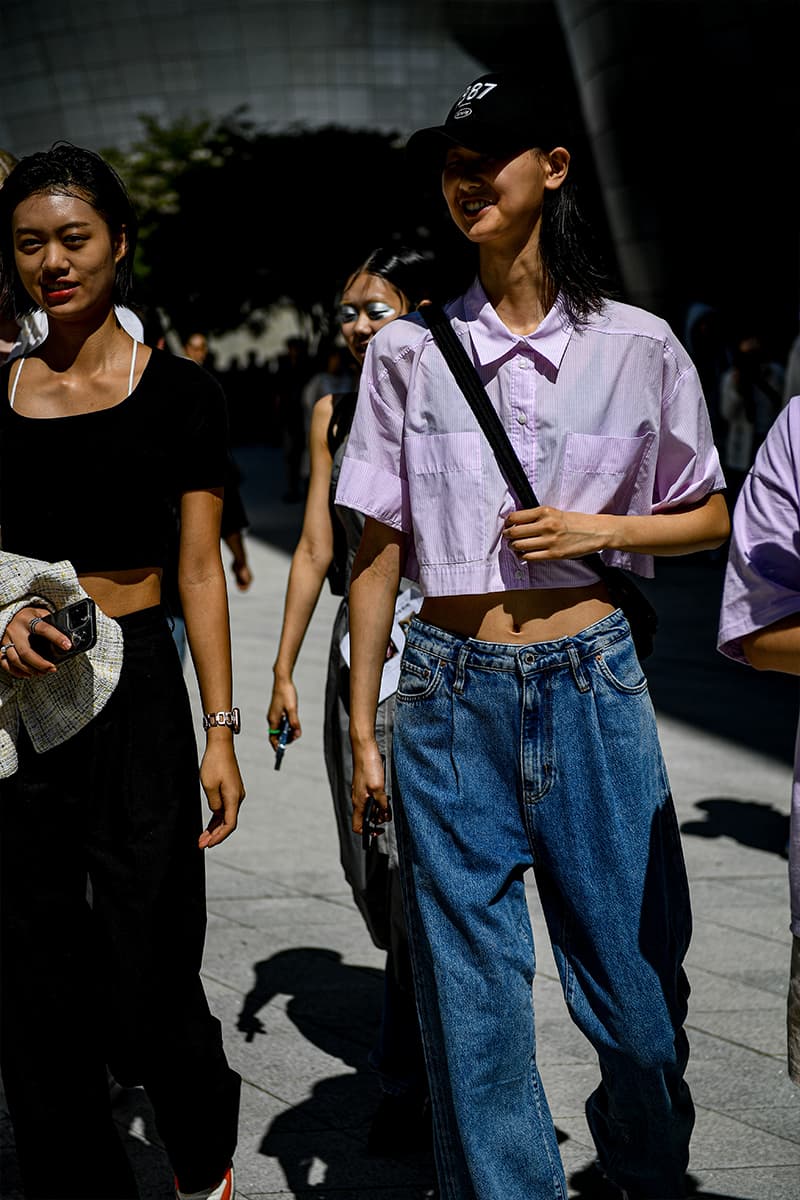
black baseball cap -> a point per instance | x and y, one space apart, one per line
501 114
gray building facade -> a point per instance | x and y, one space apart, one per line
689 107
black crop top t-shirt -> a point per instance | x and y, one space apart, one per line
100 488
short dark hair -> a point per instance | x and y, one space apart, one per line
408 271
70 170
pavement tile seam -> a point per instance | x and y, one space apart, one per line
258 926
763 992
286 893
345 902
223 983
739 880
742 1120
691 1028
769 1107
258 896
698 1011
744 1180
345 898
761 937
225 864
753 886
705 1107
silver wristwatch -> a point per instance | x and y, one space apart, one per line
231 718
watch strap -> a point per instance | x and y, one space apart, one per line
230 718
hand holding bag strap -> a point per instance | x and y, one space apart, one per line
624 592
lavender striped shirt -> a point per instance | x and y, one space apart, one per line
762 580
608 417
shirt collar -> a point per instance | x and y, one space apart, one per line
492 340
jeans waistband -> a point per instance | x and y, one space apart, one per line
499 656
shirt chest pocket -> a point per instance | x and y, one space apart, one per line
445 487
604 474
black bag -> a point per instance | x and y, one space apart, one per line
624 593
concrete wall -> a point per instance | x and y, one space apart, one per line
84 69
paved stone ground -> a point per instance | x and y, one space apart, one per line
293 976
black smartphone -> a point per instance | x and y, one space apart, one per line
78 621
371 825
284 737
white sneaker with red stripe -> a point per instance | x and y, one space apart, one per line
225 1190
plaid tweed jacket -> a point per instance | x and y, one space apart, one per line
55 706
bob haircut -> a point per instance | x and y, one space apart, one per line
71 171
407 270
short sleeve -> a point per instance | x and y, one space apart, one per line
373 477
762 577
202 431
688 467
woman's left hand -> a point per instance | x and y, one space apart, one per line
223 786
541 533
17 656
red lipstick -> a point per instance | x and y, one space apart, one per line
59 294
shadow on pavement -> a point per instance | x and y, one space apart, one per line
748 822
334 1006
590 1184
320 1143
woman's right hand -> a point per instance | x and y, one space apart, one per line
16 656
283 700
368 780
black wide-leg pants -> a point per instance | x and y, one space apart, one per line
102 912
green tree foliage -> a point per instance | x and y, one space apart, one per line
235 219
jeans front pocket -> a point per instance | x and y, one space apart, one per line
619 666
420 675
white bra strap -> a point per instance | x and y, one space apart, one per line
130 376
16 381
133 365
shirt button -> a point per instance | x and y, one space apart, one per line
523 364
523 420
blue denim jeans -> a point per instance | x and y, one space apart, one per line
545 756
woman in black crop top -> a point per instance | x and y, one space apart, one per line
99 438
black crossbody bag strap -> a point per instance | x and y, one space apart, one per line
623 590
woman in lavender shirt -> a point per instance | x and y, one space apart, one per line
760 619
524 733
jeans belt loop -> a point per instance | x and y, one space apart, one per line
461 667
581 678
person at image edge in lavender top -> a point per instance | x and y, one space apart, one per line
524 734
100 439
760 618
